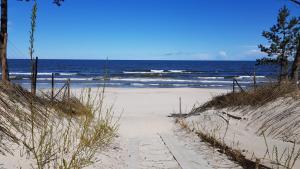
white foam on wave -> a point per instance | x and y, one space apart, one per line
223 81
152 80
176 71
67 74
249 77
129 72
137 84
157 71
154 84
210 78
216 85
180 85
144 72
65 79
176 80
43 73
19 73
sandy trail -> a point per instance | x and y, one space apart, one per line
148 139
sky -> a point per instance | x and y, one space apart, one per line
144 29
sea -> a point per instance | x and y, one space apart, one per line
142 73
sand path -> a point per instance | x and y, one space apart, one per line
148 139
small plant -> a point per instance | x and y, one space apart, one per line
286 159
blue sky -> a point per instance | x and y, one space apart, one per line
144 29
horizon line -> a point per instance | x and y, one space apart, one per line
133 59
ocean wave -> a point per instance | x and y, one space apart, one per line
137 84
176 71
249 77
154 84
29 73
156 72
215 85
211 78
152 80
132 72
180 85
68 74
177 80
224 81
65 79
19 73
44 73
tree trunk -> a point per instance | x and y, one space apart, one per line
285 71
296 64
3 41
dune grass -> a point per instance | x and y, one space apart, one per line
65 133
251 97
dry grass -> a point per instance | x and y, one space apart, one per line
65 133
286 159
252 97
251 100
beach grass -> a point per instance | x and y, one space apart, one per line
63 133
252 97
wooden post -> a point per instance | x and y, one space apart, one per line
254 77
233 85
180 112
68 88
52 87
257 162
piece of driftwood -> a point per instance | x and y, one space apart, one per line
178 115
232 116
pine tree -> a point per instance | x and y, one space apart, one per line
283 42
296 63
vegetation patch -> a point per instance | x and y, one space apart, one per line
251 97
65 133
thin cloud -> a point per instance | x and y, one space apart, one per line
223 53
249 46
253 52
188 55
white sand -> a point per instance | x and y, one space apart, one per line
147 136
145 111
278 120
148 139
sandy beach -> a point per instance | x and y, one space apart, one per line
150 139
144 111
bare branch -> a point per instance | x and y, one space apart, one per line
296 1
